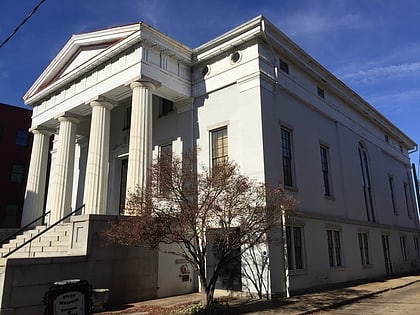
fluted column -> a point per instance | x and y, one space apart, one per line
95 194
62 180
33 206
140 144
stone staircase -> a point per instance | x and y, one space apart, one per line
53 243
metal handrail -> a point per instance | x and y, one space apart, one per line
43 231
22 229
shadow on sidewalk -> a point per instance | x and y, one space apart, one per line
301 304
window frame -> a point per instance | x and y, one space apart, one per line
9 220
392 194
165 107
417 246
335 252
22 138
215 159
289 178
366 181
284 66
127 118
17 177
295 248
363 240
407 202
325 169
320 92
403 247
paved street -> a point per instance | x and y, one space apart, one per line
404 300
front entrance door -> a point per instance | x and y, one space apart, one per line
387 257
123 185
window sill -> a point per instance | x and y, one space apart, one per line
368 266
329 197
339 268
292 188
297 272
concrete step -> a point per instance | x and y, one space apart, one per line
48 254
54 242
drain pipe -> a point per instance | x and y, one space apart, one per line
275 69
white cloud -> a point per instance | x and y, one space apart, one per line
375 74
308 23
396 102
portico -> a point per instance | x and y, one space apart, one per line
98 81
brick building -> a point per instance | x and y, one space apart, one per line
16 143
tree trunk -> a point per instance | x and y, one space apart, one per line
207 295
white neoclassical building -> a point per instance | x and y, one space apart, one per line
113 98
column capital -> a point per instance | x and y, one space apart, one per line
143 83
102 101
68 117
41 130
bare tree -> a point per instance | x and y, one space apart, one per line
255 269
198 210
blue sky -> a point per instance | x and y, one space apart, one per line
373 46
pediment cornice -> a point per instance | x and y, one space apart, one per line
84 52
80 54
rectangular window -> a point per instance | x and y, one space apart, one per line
417 246
165 106
367 187
10 215
407 203
334 248
127 118
364 248
284 66
391 189
321 92
325 170
403 248
294 247
163 62
219 146
165 169
286 142
22 137
17 174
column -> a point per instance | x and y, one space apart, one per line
95 193
62 180
33 206
140 143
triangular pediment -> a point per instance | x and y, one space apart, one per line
81 56
79 52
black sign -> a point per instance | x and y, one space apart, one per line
68 297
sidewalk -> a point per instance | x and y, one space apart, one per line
300 304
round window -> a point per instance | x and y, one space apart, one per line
206 70
235 57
